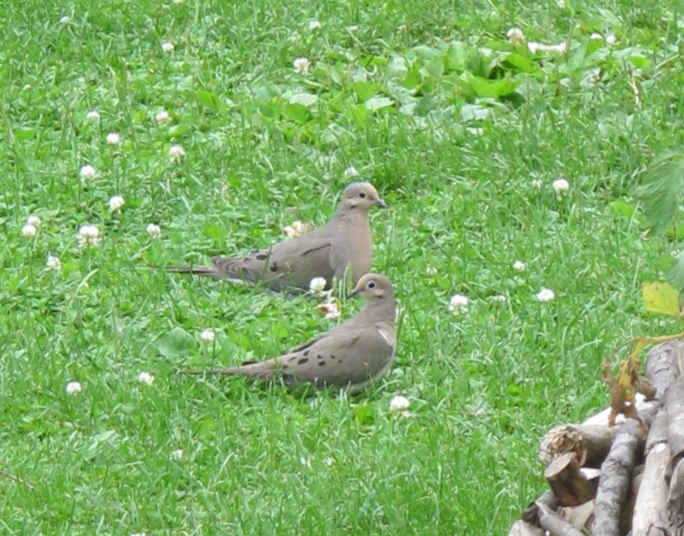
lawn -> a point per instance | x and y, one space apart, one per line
222 143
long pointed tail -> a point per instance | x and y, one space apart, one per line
198 270
220 371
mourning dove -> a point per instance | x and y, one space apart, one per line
349 357
345 241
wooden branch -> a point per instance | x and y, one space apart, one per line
674 404
675 501
650 516
554 523
616 472
590 443
568 484
523 528
663 365
531 513
628 510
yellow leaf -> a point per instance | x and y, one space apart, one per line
661 298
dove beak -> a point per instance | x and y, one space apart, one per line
355 292
381 203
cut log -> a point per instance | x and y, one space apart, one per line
523 528
579 516
616 471
590 443
628 510
663 365
550 520
674 405
675 501
531 513
568 484
650 509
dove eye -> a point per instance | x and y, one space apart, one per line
371 284
362 195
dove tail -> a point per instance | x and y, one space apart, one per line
198 270
219 371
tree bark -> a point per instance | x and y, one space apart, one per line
568 484
674 404
590 442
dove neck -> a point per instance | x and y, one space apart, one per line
384 308
351 215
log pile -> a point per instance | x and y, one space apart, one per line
614 480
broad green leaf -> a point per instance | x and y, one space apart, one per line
427 53
295 112
521 63
662 188
673 233
661 298
474 112
364 90
305 99
434 68
175 344
210 101
377 103
23 134
456 56
621 208
484 87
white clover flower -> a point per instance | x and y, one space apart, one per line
561 185
350 172
305 461
399 403
545 295
113 138
458 304
537 183
353 28
431 270
541 47
519 266
611 40
178 1
401 28
93 115
314 25
317 285
162 117
331 310
329 461
168 47
88 235
297 228
33 220
116 203
146 378
29 231
301 65
53 263
516 36
73 388
87 172
560 4
153 230
596 37
208 336
177 454
65 20
498 298
177 153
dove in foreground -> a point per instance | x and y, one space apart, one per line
344 243
349 357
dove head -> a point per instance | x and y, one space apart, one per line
375 288
361 196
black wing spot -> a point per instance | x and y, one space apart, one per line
303 360
274 267
321 363
285 367
261 257
332 356
306 352
292 359
319 356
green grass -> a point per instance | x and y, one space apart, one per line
457 163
